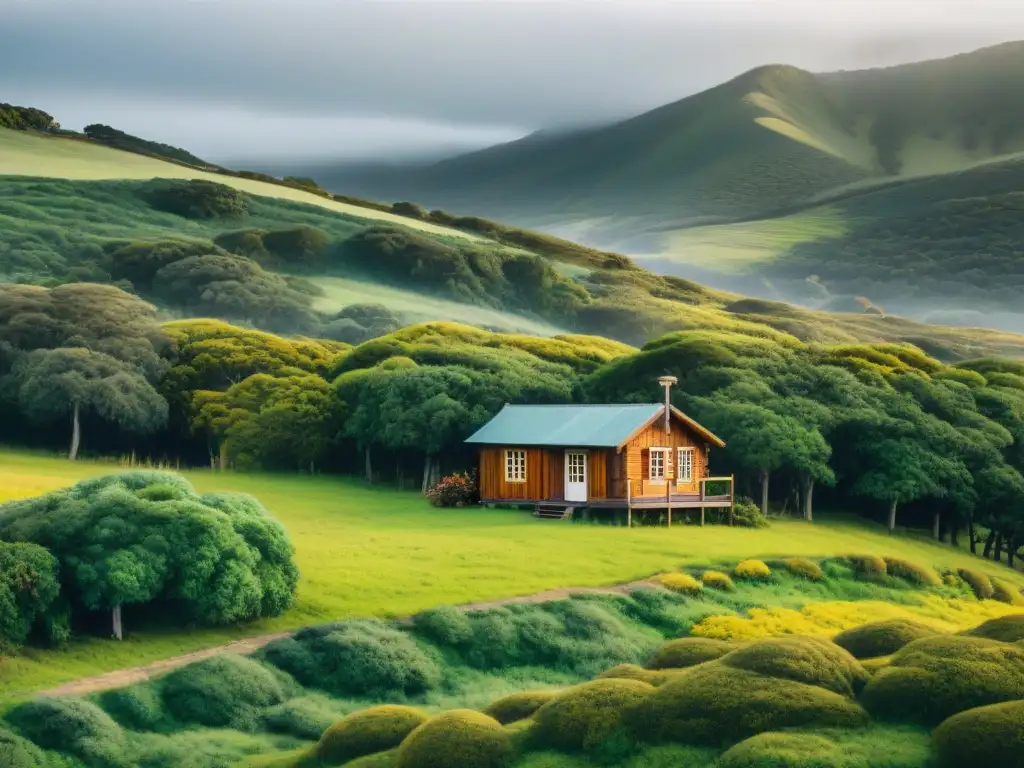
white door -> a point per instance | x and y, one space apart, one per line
575 476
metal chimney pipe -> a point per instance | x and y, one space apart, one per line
667 382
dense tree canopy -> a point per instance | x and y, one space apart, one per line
148 540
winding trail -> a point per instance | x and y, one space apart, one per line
131 675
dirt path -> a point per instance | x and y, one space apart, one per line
123 677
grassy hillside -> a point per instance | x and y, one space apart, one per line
347 534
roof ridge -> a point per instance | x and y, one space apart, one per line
584 405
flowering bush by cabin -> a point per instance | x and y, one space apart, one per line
458 490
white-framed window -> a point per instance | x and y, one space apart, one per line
515 466
659 463
577 467
684 466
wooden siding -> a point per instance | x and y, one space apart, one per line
597 474
556 474
493 485
637 457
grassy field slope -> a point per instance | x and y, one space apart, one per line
346 534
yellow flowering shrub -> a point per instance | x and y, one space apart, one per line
718 580
752 570
683 583
1005 593
807 569
917 574
979 583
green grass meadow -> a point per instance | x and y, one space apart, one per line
375 551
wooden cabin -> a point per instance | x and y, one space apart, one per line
590 456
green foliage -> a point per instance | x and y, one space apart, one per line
16 752
717 704
445 625
803 659
752 570
198 199
920 575
357 323
305 717
881 638
687 652
933 678
867 567
804 568
138 707
29 590
1005 593
747 514
366 732
73 726
26 118
979 582
877 746
991 735
455 739
518 706
218 558
718 580
223 691
1008 629
587 715
112 137
356 658
458 490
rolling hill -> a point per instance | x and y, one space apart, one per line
897 184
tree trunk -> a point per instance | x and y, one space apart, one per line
808 494
973 535
435 476
988 544
76 434
368 464
998 548
117 622
937 526
892 515
764 492
1011 550
954 534
222 460
427 470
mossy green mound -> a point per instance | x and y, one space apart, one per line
363 733
688 651
461 738
633 672
73 726
987 736
306 717
718 580
584 716
222 691
804 568
881 638
919 575
979 583
803 659
782 750
935 677
1006 593
16 752
867 567
518 706
1008 629
717 704
137 707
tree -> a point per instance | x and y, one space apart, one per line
29 591
147 539
67 382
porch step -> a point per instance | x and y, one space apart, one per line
552 512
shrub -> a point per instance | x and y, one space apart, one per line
951 580
1008 629
458 490
74 726
364 657
752 570
363 733
920 575
198 199
518 706
717 704
990 736
781 750
980 583
683 583
867 567
804 568
687 652
933 678
881 638
717 580
586 715
16 752
445 625
748 514
455 739
29 591
137 707
1005 593
304 718
222 691
807 659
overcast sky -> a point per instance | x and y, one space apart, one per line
368 79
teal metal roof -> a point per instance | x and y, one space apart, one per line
572 426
